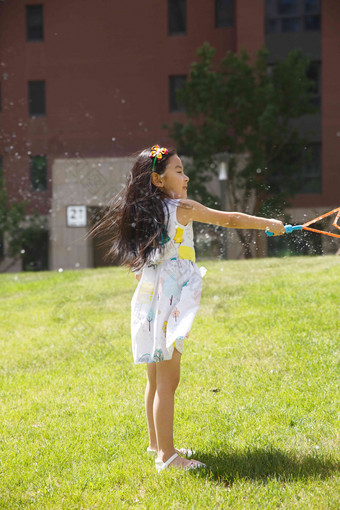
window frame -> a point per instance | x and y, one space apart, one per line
174 106
173 32
310 172
30 37
276 20
36 113
219 24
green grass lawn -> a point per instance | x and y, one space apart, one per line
257 399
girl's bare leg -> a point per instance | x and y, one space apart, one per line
150 391
167 379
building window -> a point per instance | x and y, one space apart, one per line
176 83
177 17
287 6
290 25
224 13
312 22
36 98
312 5
284 16
34 23
38 171
311 173
314 74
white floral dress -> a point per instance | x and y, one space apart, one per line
167 297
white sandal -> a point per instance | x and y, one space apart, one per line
183 451
194 464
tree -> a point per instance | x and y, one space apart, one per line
242 108
14 224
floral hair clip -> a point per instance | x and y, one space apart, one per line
157 152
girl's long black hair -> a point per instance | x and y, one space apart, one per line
134 220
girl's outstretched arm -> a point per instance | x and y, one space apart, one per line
189 210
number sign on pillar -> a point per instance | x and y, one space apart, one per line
76 216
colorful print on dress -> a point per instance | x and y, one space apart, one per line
150 317
175 313
148 358
145 292
179 235
170 288
186 253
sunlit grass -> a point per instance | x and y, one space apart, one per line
257 400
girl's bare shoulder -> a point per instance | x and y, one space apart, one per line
187 210
190 210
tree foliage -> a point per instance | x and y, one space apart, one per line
14 224
246 109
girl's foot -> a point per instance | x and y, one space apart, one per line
186 463
178 462
187 452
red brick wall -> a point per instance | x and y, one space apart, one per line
331 102
106 68
249 17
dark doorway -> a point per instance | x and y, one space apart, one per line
100 244
35 251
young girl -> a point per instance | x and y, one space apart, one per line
150 225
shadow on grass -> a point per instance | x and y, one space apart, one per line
267 464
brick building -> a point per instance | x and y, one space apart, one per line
84 85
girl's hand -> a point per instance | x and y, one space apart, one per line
276 227
138 276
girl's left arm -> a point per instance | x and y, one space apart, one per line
190 210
